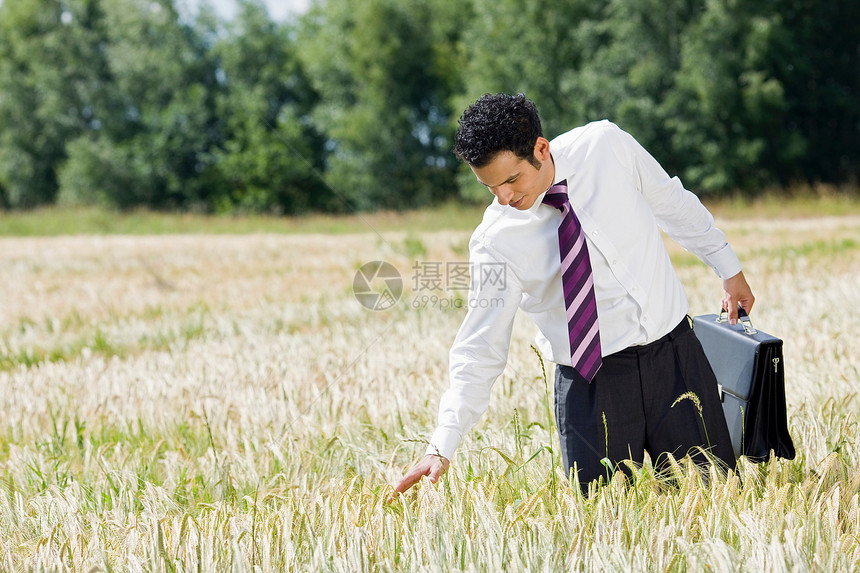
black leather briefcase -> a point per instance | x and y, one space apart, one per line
751 380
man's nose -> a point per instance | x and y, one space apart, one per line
504 194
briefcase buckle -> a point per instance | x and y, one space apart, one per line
742 316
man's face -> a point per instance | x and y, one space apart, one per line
517 182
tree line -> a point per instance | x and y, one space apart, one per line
353 105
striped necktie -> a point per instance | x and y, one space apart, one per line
578 282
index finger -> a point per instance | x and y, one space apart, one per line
407 482
410 479
733 310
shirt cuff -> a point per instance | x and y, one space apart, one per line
724 262
444 443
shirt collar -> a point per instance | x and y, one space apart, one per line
560 175
537 203
563 168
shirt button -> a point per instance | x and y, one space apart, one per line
644 319
614 262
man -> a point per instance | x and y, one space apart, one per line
619 374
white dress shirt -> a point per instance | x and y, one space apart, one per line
622 198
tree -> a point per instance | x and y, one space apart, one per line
270 157
125 103
155 150
383 103
631 52
517 46
52 76
814 54
725 111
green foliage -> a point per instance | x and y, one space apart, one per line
52 77
149 110
270 155
814 53
728 107
631 52
353 105
384 84
153 150
520 46
517 46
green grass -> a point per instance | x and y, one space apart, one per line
54 221
798 202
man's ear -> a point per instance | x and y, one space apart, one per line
542 149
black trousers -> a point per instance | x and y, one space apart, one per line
627 409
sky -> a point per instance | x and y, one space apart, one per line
278 9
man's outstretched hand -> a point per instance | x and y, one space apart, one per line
737 292
432 466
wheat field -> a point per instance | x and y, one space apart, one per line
224 403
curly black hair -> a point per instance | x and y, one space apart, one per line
495 123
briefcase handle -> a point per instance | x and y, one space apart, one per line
743 317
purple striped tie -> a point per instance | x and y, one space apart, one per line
578 282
